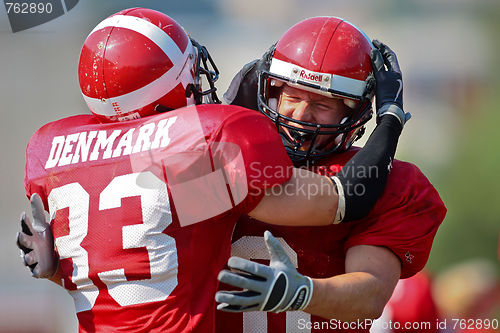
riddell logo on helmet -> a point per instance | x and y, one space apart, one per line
311 76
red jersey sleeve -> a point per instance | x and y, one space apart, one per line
250 148
405 218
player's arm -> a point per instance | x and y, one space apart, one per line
371 276
372 273
305 199
396 245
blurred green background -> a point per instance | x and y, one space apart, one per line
448 50
469 181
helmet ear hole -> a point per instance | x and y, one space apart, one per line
160 108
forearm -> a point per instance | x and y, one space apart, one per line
348 297
372 273
306 199
374 160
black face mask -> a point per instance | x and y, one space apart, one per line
204 66
299 132
300 137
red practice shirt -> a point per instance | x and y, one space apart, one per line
144 209
404 220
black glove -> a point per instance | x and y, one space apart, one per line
389 89
243 88
36 242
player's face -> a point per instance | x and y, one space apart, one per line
313 108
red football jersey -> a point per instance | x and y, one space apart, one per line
144 209
404 219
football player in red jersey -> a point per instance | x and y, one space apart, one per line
143 202
311 84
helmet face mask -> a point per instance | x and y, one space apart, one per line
204 66
338 71
296 133
140 62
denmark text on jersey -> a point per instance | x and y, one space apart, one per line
94 145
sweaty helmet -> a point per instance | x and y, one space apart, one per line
138 62
328 56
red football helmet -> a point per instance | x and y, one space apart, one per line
138 62
328 56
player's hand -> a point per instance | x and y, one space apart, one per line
243 88
277 287
389 89
36 242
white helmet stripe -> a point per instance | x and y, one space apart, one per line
154 90
326 80
147 29
140 97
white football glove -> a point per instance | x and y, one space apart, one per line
275 288
36 242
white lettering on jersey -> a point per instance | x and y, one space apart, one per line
125 142
162 133
75 147
104 141
83 146
143 142
55 151
66 155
